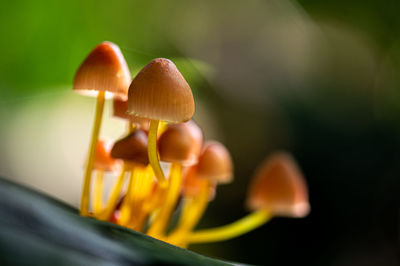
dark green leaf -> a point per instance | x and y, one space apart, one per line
39 230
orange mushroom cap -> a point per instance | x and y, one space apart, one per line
181 143
279 186
104 69
103 160
160 92
215 163
120 110
132 148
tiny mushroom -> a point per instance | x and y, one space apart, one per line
179 144
160 92
215 163
279 186
277 189
104 71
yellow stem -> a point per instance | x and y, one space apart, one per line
145 194
125 206
153 155
150 200
240 227
84 208
126 203
98 192
113 201
191 216
161 221
137 194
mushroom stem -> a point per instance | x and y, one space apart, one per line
84 208
113 201
192 212
126 203
240 227
163 216
98 192
142 193
153 155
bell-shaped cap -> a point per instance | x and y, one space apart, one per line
102 159
215 163
192 184
120 110
132 148
104 69
181 143
160 92
279 186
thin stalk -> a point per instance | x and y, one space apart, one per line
84 207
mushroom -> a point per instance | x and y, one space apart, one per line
215 163
214 167
132 149
279 186
103 73
180 145
159 92
277 189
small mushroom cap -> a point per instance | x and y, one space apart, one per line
279 186
181 143
160 92
132 148
104 69
192 184
215 163
120 110
102 159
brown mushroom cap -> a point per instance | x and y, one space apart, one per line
181 143
132 148
279 186
104 69
160 92
215 163
102 159
120 110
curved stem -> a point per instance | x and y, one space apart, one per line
240 227
190 216
84 207
161 221
153 155
98 192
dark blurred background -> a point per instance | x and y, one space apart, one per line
320 79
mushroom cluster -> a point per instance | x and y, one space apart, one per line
157 106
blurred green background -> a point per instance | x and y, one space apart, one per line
320 79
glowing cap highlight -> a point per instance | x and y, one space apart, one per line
104 69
